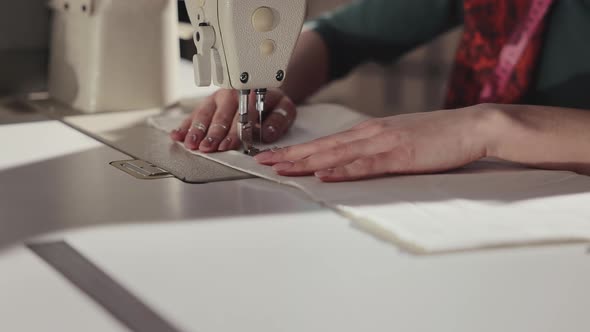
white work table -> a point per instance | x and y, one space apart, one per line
247 255
313 272
305 268
64 181
35 298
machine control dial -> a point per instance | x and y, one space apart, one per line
267 47
263 19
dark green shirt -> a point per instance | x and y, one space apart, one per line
383 30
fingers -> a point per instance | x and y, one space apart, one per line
396 161
298 152
231 141
364 168
200 123
328 159
213 126
179 134
365 124
279 121
221 122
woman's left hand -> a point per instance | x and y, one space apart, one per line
406 144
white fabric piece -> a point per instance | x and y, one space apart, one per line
487 204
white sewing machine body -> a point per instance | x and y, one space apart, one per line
108 56
244 45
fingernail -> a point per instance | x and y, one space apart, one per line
225 144
324 173
264 157
270 133
283 166
194 138
208 142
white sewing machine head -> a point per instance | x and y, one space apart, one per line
245 45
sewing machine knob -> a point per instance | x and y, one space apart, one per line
204 40
263 19
217 69
267 47
202 67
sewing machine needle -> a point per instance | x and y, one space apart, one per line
260 101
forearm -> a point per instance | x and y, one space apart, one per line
308 69
537 136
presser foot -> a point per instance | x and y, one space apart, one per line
246 134
253 152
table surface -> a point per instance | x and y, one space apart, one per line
247 255
254 256
35 298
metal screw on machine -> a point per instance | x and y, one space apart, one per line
244 78
280 75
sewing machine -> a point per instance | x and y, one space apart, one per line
98 50
96 249
245 45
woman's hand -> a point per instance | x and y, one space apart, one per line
405 144
213 125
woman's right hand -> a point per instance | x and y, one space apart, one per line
213 125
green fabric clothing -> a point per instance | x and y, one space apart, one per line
383 30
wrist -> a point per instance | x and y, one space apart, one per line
491 123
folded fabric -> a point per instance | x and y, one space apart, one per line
487 204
